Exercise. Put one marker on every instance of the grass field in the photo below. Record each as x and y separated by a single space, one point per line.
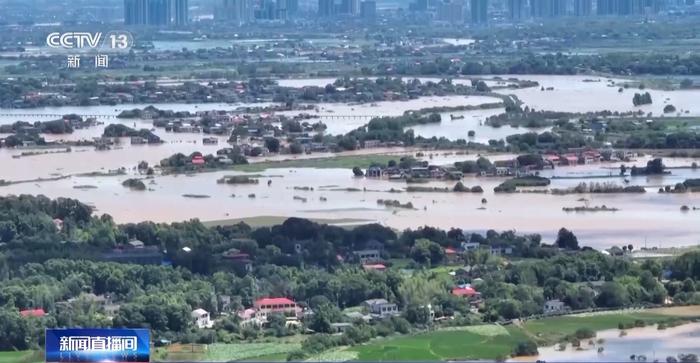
444 345
552 330
276 351
494 341
227 352
28 356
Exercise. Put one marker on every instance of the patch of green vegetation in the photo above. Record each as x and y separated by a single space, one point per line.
280 357
552 330
26 356
444 345
510 185
334 355
228 352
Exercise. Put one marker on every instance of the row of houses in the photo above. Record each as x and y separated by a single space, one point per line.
575 157
422 171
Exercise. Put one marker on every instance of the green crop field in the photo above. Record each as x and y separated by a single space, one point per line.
27 356
445 345
228 352
494 341
552 330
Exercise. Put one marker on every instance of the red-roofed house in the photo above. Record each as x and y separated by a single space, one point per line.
465 291
451 254
569 159
37 313
276 305
553 158
198 160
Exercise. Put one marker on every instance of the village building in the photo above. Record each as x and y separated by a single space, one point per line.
32 313
381 308
368 256
470 246
201 319
500 250
264 307
555 307
465 291
451 255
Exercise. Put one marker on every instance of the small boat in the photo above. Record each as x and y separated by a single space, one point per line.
459 117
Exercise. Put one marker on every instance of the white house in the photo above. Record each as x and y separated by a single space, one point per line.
381 308
555 307
201 319
470 246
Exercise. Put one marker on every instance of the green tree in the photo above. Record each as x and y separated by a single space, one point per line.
567 240
612 294
425 251
525 348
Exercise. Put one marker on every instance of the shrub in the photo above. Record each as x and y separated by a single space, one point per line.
526 348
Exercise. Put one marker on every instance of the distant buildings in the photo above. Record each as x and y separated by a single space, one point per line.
547 8
583 7
156 12
516 10
450 12
349 7
479 11
625 7
326 8
181 12
418 5
368 10
363 9
237 11
135 12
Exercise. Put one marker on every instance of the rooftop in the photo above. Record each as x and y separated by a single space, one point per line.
274 301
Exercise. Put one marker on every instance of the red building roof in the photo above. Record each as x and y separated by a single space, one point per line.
274 301
450 251
464 291
198 160
37 313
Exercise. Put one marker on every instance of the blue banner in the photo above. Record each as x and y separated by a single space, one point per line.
97 345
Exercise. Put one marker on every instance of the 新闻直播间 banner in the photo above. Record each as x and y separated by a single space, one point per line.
97 345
